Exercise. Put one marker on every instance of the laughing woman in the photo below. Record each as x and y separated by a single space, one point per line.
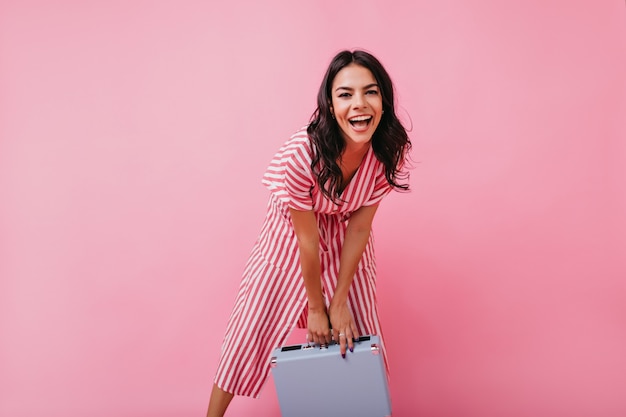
313 264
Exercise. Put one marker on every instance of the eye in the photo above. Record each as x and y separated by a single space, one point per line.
344 95
374 92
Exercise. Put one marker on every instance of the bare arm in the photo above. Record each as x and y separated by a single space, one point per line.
357 236
305 227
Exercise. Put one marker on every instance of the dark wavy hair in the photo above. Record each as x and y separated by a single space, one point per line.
390 141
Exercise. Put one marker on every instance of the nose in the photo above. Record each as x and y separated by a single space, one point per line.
359 100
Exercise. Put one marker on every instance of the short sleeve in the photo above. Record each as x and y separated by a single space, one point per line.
289 176
381 187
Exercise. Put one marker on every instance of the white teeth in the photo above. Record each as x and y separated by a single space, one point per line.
360 118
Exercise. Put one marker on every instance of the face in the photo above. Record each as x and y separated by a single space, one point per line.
356 103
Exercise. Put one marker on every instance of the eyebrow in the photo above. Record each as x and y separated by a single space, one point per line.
352 89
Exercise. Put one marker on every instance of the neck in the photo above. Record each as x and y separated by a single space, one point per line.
355 150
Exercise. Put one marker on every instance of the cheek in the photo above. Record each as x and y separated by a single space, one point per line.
338 106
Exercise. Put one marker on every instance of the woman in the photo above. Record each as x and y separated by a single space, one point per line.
313 263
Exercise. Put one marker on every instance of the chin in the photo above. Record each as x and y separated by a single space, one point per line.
357 137
361 139
364 137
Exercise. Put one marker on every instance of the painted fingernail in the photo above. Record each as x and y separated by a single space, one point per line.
343 355
352 349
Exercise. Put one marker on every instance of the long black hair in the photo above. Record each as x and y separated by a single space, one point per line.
390 141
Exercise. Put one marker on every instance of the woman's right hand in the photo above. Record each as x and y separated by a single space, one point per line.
318 329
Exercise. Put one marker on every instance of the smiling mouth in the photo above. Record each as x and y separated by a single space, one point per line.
361 122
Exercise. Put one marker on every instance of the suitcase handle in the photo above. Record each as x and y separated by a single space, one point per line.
300 347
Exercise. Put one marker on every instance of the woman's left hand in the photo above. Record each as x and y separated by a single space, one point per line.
344 329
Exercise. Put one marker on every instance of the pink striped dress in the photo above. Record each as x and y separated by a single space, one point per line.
272 300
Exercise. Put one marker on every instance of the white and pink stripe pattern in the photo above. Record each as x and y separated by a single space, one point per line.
272 299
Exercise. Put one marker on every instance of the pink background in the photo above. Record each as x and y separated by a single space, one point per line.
133 136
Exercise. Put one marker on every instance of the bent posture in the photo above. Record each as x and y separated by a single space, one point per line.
313 265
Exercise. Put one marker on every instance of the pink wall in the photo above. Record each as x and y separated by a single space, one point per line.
132 140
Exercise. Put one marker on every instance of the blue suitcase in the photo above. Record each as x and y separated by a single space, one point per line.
314 380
